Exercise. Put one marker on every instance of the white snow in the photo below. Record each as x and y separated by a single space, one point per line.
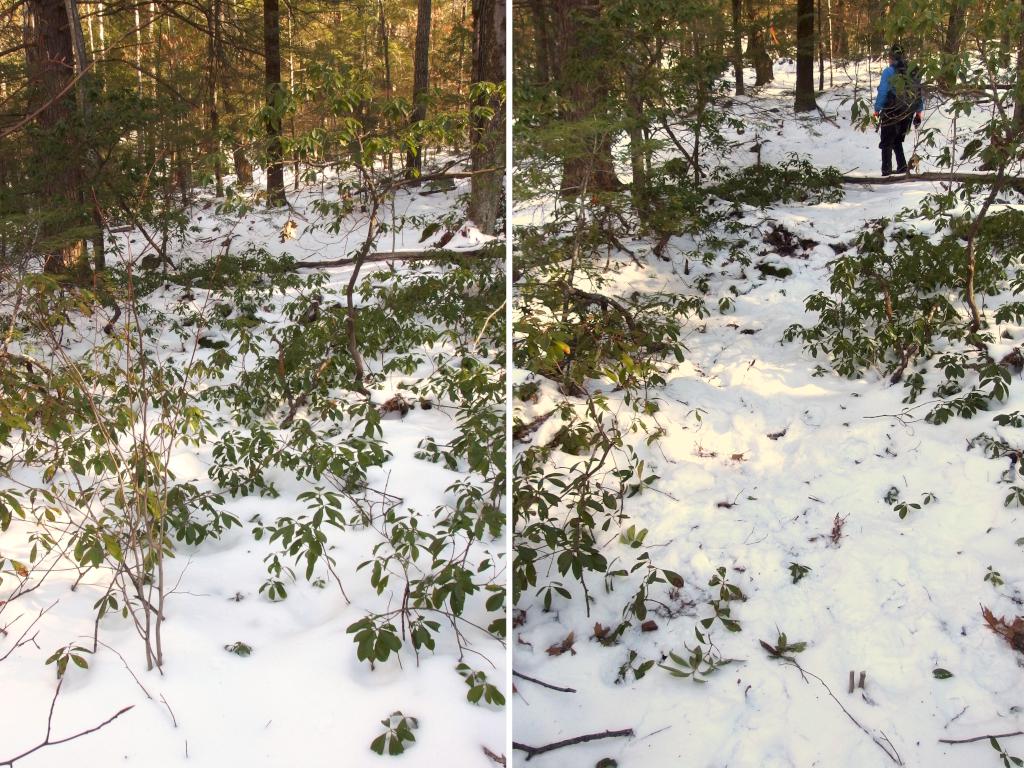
302 697
894 598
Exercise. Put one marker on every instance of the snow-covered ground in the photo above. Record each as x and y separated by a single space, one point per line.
757 485
301 697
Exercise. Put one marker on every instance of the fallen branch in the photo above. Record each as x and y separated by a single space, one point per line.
47 742
959 178
886 746
981 738
532 752
604 302
395 256
541 682
826 117
520 432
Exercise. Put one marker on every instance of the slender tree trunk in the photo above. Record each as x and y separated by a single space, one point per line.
1018 101
385 48
955 28
805 101
756 50
737 45
952 42
215 58
841 35
275 103
488 135
831 45
542 39
876 24
103 27
421 81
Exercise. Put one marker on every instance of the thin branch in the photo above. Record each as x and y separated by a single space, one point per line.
532 752
541 682
981 738
391 256
47 742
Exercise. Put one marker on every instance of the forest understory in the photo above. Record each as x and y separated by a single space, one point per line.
329 551
836 560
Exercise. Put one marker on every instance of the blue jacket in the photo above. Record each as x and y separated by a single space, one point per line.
884 89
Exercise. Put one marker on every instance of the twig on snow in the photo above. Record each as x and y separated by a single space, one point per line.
49 742
541 682
981 738
883 741
532 752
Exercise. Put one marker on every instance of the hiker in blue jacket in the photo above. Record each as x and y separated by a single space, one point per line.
900 101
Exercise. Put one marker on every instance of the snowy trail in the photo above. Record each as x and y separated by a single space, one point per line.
894 598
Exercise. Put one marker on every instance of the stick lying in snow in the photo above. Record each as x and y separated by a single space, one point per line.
886 745
541 682
534 751
46 742
981 738
396 256
961 178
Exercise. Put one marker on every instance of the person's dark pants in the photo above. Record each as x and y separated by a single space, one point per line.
894 130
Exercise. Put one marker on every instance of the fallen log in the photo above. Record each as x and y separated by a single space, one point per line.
429 255
937 176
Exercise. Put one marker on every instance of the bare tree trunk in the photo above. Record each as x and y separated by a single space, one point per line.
842 37
737 45
805 101
421 81
385 47
487 135
542 40
952 42
1018 100
275 101
955 28
590 166
215 56
763 71
50 62
821 52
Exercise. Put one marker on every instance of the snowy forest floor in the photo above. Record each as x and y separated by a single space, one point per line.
301 697
779 459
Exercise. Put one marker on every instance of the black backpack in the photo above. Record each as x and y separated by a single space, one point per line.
905 89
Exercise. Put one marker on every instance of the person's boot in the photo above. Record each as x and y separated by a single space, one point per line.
887 162
901 160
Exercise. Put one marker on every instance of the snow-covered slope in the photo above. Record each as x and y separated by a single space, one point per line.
758 484
301 697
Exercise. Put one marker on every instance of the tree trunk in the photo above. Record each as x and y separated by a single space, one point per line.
275 103
737 45
876 21
841 35
421 82
1018 101
582 83
764 72
805 101
542 40
215 56
821 52
955 28
50 64
951 44
385 47
488 135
